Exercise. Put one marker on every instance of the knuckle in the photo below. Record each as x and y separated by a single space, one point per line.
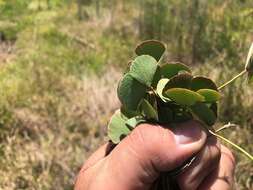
213 151
151 139
136 134
216 154
229 156
184 183
228 153
146 135
138 139
139 134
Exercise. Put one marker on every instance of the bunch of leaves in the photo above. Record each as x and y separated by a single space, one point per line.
166 93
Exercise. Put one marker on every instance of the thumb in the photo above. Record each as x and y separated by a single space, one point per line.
137 161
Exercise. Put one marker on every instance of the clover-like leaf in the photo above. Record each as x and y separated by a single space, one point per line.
183 96
157 77
130 92
117 128
202 112
171 69
179 81
148 111
127 113
153 48
134 121
210 95
200 82
160 88
143 69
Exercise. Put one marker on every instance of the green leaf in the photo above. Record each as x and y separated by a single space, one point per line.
128 113
157 77
202 83
151 47
214 108
203 113
133 122
165 115
160 87
183 96
171 69
179 81
210 95
143 69
182 117
117 128
130 92
148 111
249 60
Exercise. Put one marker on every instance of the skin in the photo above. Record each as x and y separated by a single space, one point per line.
137 161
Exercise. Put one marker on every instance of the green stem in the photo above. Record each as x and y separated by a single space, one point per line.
233 79
233 144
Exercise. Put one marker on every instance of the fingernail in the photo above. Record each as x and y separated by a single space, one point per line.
187 133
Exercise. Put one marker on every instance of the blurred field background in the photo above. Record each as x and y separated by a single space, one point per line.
60 61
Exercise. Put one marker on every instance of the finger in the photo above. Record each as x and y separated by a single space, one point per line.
149 149
222 176
93 160
206 161
98 155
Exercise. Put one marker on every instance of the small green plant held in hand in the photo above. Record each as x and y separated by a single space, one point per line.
168 93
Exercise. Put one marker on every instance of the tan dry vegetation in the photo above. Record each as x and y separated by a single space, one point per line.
49 147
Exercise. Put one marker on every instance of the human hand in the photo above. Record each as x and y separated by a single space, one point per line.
138 160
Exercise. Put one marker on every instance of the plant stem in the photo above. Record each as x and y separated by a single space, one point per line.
225 127
153 90
233 144
233 79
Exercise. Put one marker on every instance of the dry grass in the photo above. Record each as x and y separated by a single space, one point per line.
6 52
54 136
